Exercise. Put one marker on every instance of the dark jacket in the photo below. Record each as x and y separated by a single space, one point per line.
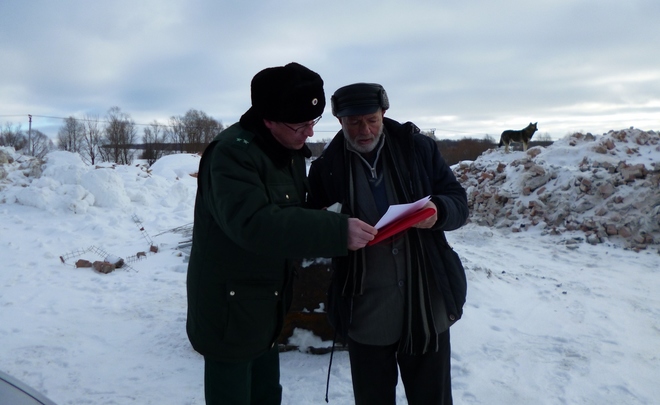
248 224
424 172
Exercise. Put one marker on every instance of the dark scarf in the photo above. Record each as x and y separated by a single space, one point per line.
419 334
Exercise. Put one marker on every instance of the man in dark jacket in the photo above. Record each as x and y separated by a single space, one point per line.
392 302
248 224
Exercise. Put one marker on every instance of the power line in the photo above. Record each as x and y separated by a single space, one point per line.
87 119
97 120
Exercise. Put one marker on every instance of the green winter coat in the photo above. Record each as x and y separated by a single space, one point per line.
248 224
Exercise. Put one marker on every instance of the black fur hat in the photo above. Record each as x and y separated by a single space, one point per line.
290 93
359 99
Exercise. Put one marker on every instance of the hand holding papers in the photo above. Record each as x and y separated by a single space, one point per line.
400 217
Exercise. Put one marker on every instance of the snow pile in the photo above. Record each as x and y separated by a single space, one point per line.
603 185
62 182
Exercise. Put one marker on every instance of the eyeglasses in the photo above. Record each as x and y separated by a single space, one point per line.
303 126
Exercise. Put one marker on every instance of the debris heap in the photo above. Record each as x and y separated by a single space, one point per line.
606 186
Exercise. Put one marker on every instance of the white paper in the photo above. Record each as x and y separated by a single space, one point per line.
336 207
398 211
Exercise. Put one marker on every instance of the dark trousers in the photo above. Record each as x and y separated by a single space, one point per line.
426 378
255 382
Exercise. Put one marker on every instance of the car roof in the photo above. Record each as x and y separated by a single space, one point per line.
15 392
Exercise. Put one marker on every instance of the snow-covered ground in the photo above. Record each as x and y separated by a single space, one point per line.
545 322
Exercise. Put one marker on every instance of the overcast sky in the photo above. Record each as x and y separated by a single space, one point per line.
463 68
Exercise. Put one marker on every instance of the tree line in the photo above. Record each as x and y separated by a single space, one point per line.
113 138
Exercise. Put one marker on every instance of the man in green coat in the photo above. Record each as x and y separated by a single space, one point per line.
249 223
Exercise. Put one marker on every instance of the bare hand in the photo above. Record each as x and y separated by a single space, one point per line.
359 233
430 221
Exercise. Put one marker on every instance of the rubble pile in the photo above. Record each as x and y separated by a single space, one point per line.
606 186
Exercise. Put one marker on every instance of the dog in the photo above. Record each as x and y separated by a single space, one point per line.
524 136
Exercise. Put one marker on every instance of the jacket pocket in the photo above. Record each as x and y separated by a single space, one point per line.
283 194
252 312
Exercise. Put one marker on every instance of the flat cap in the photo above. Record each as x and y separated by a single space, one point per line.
359 99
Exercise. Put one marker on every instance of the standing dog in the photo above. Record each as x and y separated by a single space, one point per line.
524 135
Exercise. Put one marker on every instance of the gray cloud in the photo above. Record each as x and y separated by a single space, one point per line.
463 68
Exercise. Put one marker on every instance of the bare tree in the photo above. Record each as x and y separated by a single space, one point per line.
176 133
13 136
153 139
40 145
70 135
120 135
193 131
91 150
200 129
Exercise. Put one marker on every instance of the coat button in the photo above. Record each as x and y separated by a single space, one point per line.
232 293
276 293
286 196
395 251
452 317
401 283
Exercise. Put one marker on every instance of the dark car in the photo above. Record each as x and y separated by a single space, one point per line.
14 392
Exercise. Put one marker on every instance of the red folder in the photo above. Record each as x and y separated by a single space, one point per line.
401 224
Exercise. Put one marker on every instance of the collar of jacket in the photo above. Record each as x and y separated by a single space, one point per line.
280 155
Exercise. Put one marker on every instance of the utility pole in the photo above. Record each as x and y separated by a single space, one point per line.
30 148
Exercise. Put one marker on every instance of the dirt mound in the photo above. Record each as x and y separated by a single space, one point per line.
606 186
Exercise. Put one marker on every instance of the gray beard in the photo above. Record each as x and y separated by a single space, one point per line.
364 149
